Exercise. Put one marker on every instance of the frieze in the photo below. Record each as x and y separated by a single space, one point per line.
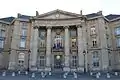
57 22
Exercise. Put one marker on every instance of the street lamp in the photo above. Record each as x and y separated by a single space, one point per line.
28 59
84 53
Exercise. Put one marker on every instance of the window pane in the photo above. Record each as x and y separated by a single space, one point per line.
118 42
24 32
1 43
22 42
117 31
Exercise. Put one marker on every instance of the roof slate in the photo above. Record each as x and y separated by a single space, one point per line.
112 16
24 16
92 15
8 19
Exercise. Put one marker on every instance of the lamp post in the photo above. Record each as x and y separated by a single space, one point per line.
28 59
84 53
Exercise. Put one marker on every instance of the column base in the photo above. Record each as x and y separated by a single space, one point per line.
48 69
80 69
66 69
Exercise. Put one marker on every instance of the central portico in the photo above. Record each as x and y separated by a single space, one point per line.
57 41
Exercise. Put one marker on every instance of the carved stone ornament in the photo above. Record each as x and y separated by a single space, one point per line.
58 31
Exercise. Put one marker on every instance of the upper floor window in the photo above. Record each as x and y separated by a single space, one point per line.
93 30
73 42
94 42
42 36
117 30
2 33
118 41
24 32
95 58
58 42
22 42
1 43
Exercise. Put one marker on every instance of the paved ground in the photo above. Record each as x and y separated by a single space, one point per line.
56 76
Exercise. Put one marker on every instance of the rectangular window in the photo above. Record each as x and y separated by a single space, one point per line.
1 43
118 41
74 61
2 33
93 30
22 42
117 31
95 58
24 32
41 61
94 42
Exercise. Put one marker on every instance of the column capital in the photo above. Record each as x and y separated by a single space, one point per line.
79 26
48 27
35 27
66 27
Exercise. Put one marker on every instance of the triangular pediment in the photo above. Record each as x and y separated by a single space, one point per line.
58 14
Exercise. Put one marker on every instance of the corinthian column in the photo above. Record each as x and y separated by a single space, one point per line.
80 48
48 49
67 51
34 48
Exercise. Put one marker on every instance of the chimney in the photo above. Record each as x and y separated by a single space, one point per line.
37 13
18 15
100 12
80 12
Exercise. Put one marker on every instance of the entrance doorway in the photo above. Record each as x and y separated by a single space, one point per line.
58 62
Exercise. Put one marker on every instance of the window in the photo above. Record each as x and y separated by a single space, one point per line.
74 61
95 58
21 58
94 42
2 33
22 42
42 35
1 43
118 41
24 32
41 61
93 30
73 42
58 42
117 31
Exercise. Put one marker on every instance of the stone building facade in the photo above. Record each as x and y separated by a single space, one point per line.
61 40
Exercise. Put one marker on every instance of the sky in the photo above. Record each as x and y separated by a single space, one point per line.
29 7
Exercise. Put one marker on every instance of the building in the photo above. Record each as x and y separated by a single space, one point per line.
61 40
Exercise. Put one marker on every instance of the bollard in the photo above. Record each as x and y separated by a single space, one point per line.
33 75
97 76
13 74
19 72
91 73
75 75
26 72
64 76
49 73
108 75
99 73
116 73
4 74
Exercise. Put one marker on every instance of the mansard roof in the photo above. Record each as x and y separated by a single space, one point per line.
8 19
112 16
23 16
92 15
